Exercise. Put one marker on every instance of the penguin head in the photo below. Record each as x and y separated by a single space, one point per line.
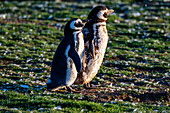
74 25
99 12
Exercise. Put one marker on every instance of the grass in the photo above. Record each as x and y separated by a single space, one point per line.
48 102
134 75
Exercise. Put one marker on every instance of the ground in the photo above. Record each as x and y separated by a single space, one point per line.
133 77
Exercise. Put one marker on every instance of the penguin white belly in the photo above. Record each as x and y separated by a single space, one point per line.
101 42
71 68
71 72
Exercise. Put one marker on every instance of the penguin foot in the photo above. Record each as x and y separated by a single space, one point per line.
66 88
88 86
71 90
58 88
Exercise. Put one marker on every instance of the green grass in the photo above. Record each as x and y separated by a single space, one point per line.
134 75
68 103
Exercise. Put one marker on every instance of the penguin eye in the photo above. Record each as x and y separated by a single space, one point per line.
105 15
79 22
76 22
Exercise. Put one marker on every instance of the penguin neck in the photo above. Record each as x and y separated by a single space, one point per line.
73 37
97 21
97 25
71 32
75 33
76 36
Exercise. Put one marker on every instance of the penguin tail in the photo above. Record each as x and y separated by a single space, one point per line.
49 84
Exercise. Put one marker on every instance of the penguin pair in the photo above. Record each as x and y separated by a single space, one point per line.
66 62
67 66
95 39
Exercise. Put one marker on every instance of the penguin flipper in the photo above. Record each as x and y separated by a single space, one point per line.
76 59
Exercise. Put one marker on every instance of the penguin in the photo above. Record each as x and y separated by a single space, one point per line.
67 59
95 39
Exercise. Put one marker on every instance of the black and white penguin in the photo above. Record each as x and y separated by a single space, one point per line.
96 38
67 59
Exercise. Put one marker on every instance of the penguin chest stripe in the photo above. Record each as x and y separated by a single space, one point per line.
79 42
97 33
76 40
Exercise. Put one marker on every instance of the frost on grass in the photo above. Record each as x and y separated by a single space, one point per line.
57 108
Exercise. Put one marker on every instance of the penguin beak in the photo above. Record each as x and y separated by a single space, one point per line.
85 21
110 11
